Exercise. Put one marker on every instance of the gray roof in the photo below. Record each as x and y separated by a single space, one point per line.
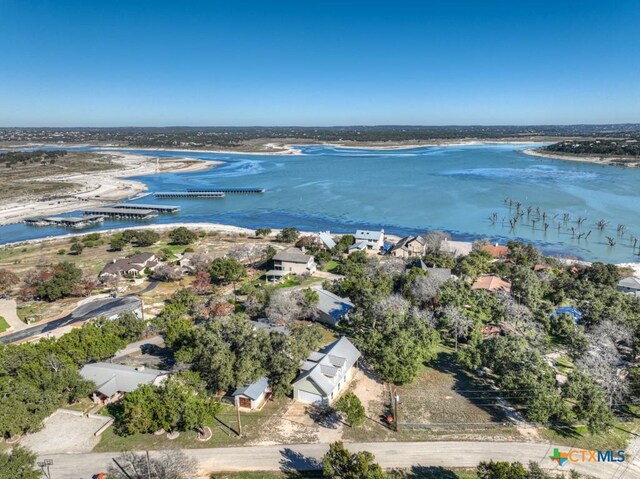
631 282
112 378
326 238
253 390
358 245
292 255
123 211
332 304
326 368
368 235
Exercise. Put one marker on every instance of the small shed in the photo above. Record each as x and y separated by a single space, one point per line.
254 395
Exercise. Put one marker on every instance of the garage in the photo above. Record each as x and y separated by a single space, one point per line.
308 397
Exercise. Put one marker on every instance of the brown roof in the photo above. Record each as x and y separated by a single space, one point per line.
497 252
137 261
491 283
293 255
541 267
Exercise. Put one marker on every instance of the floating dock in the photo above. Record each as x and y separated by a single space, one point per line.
140 206
189 194
123 212
76 222
230 191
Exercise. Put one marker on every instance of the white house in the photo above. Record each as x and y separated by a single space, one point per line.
326 373
252 396
630 285
373 239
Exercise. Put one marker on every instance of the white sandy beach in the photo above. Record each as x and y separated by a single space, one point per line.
98 188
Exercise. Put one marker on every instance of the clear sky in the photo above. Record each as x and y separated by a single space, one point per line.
314 62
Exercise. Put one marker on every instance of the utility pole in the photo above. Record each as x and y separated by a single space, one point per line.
148 466
239 423
396 400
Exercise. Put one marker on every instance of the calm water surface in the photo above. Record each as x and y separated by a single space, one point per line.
455 189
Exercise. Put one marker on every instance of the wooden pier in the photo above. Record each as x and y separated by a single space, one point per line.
189 194
229 191
140 206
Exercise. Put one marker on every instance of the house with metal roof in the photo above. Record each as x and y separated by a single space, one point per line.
630 285
113 380
358 246
254 395
326 373
324 237
331 308
294 261
373 239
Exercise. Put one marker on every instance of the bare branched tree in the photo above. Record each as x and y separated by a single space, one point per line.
165 465
458 323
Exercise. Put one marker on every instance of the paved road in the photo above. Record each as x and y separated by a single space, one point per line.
388 455
9 312
101 307
133 348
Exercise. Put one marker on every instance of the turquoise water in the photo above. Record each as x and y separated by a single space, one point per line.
454 189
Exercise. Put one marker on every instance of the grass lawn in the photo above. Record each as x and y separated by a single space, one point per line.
330 266
579 437
3 325
223 428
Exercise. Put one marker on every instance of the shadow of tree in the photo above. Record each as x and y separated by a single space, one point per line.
431 472
295 465
324 416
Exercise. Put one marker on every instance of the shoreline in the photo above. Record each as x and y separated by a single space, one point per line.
239 230
596 160
95 189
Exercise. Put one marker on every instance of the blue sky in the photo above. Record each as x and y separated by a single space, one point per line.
118 63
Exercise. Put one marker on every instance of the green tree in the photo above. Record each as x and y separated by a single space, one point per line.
501 470
288 235
117 243
226 270
20 463
589 400
263 232
76 248
340 463
182 236
349 405
147 238
58 281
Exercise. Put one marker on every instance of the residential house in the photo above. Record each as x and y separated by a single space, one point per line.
130 266
496 251
373 239
113 380
491 283
252 396
189 261
409 246
294 261
331 308
324 237
443 273
358 246
326 373
456 248
630 285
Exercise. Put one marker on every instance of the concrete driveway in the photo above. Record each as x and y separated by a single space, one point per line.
8 310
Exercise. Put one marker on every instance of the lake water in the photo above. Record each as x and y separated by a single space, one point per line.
454 189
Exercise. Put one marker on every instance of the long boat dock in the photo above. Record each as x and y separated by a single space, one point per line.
189 194
122 212
230 191
140 206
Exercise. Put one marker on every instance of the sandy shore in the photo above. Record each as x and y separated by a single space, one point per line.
374 146
98 188
600 160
